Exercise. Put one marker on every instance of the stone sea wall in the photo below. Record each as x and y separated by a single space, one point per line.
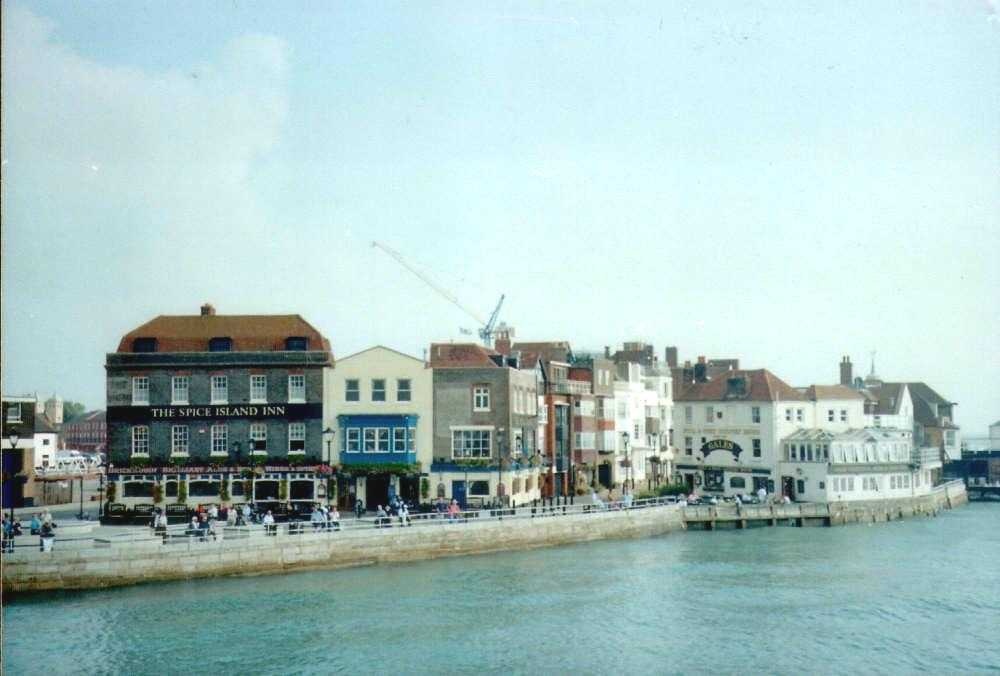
146 560
149 560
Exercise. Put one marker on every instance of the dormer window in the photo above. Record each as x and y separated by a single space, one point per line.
144 345
220 344
299 343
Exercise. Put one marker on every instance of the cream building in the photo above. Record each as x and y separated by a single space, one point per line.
380 403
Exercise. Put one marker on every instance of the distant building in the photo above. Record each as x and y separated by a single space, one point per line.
18 460
87 433
995 436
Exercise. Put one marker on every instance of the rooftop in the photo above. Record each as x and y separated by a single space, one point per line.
759 385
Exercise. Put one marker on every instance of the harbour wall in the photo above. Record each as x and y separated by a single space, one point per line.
126 563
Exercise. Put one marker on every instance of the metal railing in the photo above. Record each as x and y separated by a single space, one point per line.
183 535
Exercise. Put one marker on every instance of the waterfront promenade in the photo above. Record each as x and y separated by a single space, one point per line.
138 555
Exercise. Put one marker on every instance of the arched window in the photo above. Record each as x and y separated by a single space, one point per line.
440 490
737 482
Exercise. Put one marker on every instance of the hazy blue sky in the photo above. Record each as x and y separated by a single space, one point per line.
782 182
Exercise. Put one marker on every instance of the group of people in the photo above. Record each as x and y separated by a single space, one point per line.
41 525
325 518
452 509
397 508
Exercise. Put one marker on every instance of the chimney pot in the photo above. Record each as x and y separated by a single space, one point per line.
207 310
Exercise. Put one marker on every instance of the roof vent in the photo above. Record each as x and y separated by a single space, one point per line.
207 310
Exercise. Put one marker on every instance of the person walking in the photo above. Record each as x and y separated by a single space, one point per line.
359 508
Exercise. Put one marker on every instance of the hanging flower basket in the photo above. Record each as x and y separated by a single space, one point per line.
324 470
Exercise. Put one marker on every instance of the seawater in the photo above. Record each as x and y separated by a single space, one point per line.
921 595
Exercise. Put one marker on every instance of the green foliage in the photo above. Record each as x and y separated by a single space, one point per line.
297 460
473 462
157 493
331 488
72 410
112 491
178 462
248 489
224 491
138 462
425 488
182 492
672 489
362 469
283 490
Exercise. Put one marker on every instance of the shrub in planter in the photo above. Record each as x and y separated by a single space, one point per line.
331 489
112 491
283 490
157 493
248 489
138 462
224 491
182 492
425 488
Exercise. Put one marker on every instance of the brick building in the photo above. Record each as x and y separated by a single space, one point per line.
194 400
87 433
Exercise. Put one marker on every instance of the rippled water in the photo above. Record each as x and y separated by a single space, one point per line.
910 596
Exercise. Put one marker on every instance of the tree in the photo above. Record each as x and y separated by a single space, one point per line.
72 410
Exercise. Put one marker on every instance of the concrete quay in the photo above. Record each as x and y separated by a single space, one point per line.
110 562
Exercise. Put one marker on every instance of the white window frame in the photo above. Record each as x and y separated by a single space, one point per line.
140 441
384 440
399 440
755 414
830 415
843 415
220 433
689 415
219 393
411 439
369 439
479 441
709 414
348 391
756 451
258 432
481 398
140 384
180 385
788 415
180 440
385 394
400 390
296 432
353 440
258 388
799 415
296 392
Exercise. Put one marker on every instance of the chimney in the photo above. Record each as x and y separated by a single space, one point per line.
502 342
607 352
701 371
846 376
207 310
671 356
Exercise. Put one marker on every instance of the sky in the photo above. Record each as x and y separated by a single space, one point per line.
785 183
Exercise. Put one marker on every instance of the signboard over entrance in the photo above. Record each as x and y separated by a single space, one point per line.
721 445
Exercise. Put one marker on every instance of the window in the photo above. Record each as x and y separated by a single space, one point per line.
399 440
829 415
378 389
220 439
622 410
140 440
470 443
297 437
543 413
788 415
297 388
479 488
258 389
481 398
297 343
353 440
140 391
737 482
14 413
843 415
383 440
179 440
850 483
220 389
403 392
688 414
258 437
798 415
809 453
352 391
179 389
144 345
411 436
220 344
756 448
709 413
688 445
794 450
826 451
755 414
370 440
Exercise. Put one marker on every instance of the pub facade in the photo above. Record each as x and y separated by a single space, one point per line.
217 409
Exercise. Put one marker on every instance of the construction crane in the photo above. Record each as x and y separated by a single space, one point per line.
485 330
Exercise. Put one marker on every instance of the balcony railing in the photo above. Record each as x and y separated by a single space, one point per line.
926 456
569 387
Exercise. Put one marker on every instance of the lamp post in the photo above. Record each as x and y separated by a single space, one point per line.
13 438
237 455
628 460
500 433
328 434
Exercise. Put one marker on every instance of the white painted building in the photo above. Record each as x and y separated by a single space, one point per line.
380 403
859 464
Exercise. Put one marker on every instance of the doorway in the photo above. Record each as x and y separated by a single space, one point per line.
409 489
376 491
458 492
788 487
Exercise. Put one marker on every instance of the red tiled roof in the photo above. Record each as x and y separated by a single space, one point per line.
461 355
553 350
761 385
249 333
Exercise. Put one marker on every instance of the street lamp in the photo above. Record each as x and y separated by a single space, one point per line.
628 460
328 434
500 432
13 438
